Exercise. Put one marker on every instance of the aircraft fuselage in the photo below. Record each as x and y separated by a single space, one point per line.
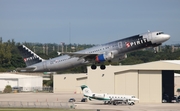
105 52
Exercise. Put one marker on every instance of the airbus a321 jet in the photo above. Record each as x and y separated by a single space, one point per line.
109 98
111 51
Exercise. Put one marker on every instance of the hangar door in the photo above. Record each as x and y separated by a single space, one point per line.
126 83
167 85
150 89
80 81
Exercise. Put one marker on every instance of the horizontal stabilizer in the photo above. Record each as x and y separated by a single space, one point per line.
28 69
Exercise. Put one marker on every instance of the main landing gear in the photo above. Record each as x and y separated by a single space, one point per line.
155 50
102 67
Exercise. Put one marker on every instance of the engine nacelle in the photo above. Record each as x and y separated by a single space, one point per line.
98 95
106 56
100 58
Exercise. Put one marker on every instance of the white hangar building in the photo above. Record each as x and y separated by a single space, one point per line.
147 81
176 84
27 83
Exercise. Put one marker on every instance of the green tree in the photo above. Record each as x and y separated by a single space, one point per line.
5 55
7 89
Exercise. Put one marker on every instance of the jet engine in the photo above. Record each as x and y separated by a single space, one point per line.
98 95
106 56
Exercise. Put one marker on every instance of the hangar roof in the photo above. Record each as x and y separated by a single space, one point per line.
159 65
156 65
173 61
78 75
176 75
14 76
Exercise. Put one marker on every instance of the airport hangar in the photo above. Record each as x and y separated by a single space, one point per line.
21 82
147 81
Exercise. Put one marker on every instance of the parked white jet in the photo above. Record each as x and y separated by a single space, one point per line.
109 98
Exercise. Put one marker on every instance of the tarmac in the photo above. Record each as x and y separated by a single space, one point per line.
93 105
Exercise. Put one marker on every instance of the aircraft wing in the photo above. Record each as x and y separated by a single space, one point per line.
25 69
81 55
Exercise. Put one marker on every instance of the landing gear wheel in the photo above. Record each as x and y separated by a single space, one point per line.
103 67
109 102
105 102
155 51
93 66
131 103
114 103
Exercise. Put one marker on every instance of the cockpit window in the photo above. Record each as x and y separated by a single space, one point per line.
133 96
160 33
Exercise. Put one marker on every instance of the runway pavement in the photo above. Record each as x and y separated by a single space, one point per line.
137 107
94 105
41 97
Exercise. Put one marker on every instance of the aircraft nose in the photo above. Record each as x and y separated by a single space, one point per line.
137 99
166 36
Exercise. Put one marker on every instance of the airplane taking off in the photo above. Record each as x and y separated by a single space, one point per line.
108 98
112 51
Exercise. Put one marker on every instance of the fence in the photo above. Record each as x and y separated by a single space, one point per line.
32 89
24 104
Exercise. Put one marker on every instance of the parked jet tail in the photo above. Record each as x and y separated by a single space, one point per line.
86 91
29 56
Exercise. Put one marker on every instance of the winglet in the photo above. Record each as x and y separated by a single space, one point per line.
28 69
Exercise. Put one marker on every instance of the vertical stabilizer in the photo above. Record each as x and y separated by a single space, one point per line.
86 91
29 56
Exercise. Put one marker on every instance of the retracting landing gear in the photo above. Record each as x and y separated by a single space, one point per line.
102 67
155 50
93 66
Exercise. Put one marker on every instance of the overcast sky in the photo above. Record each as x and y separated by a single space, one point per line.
87 21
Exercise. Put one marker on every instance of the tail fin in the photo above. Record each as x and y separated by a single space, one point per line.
86 91
29 56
